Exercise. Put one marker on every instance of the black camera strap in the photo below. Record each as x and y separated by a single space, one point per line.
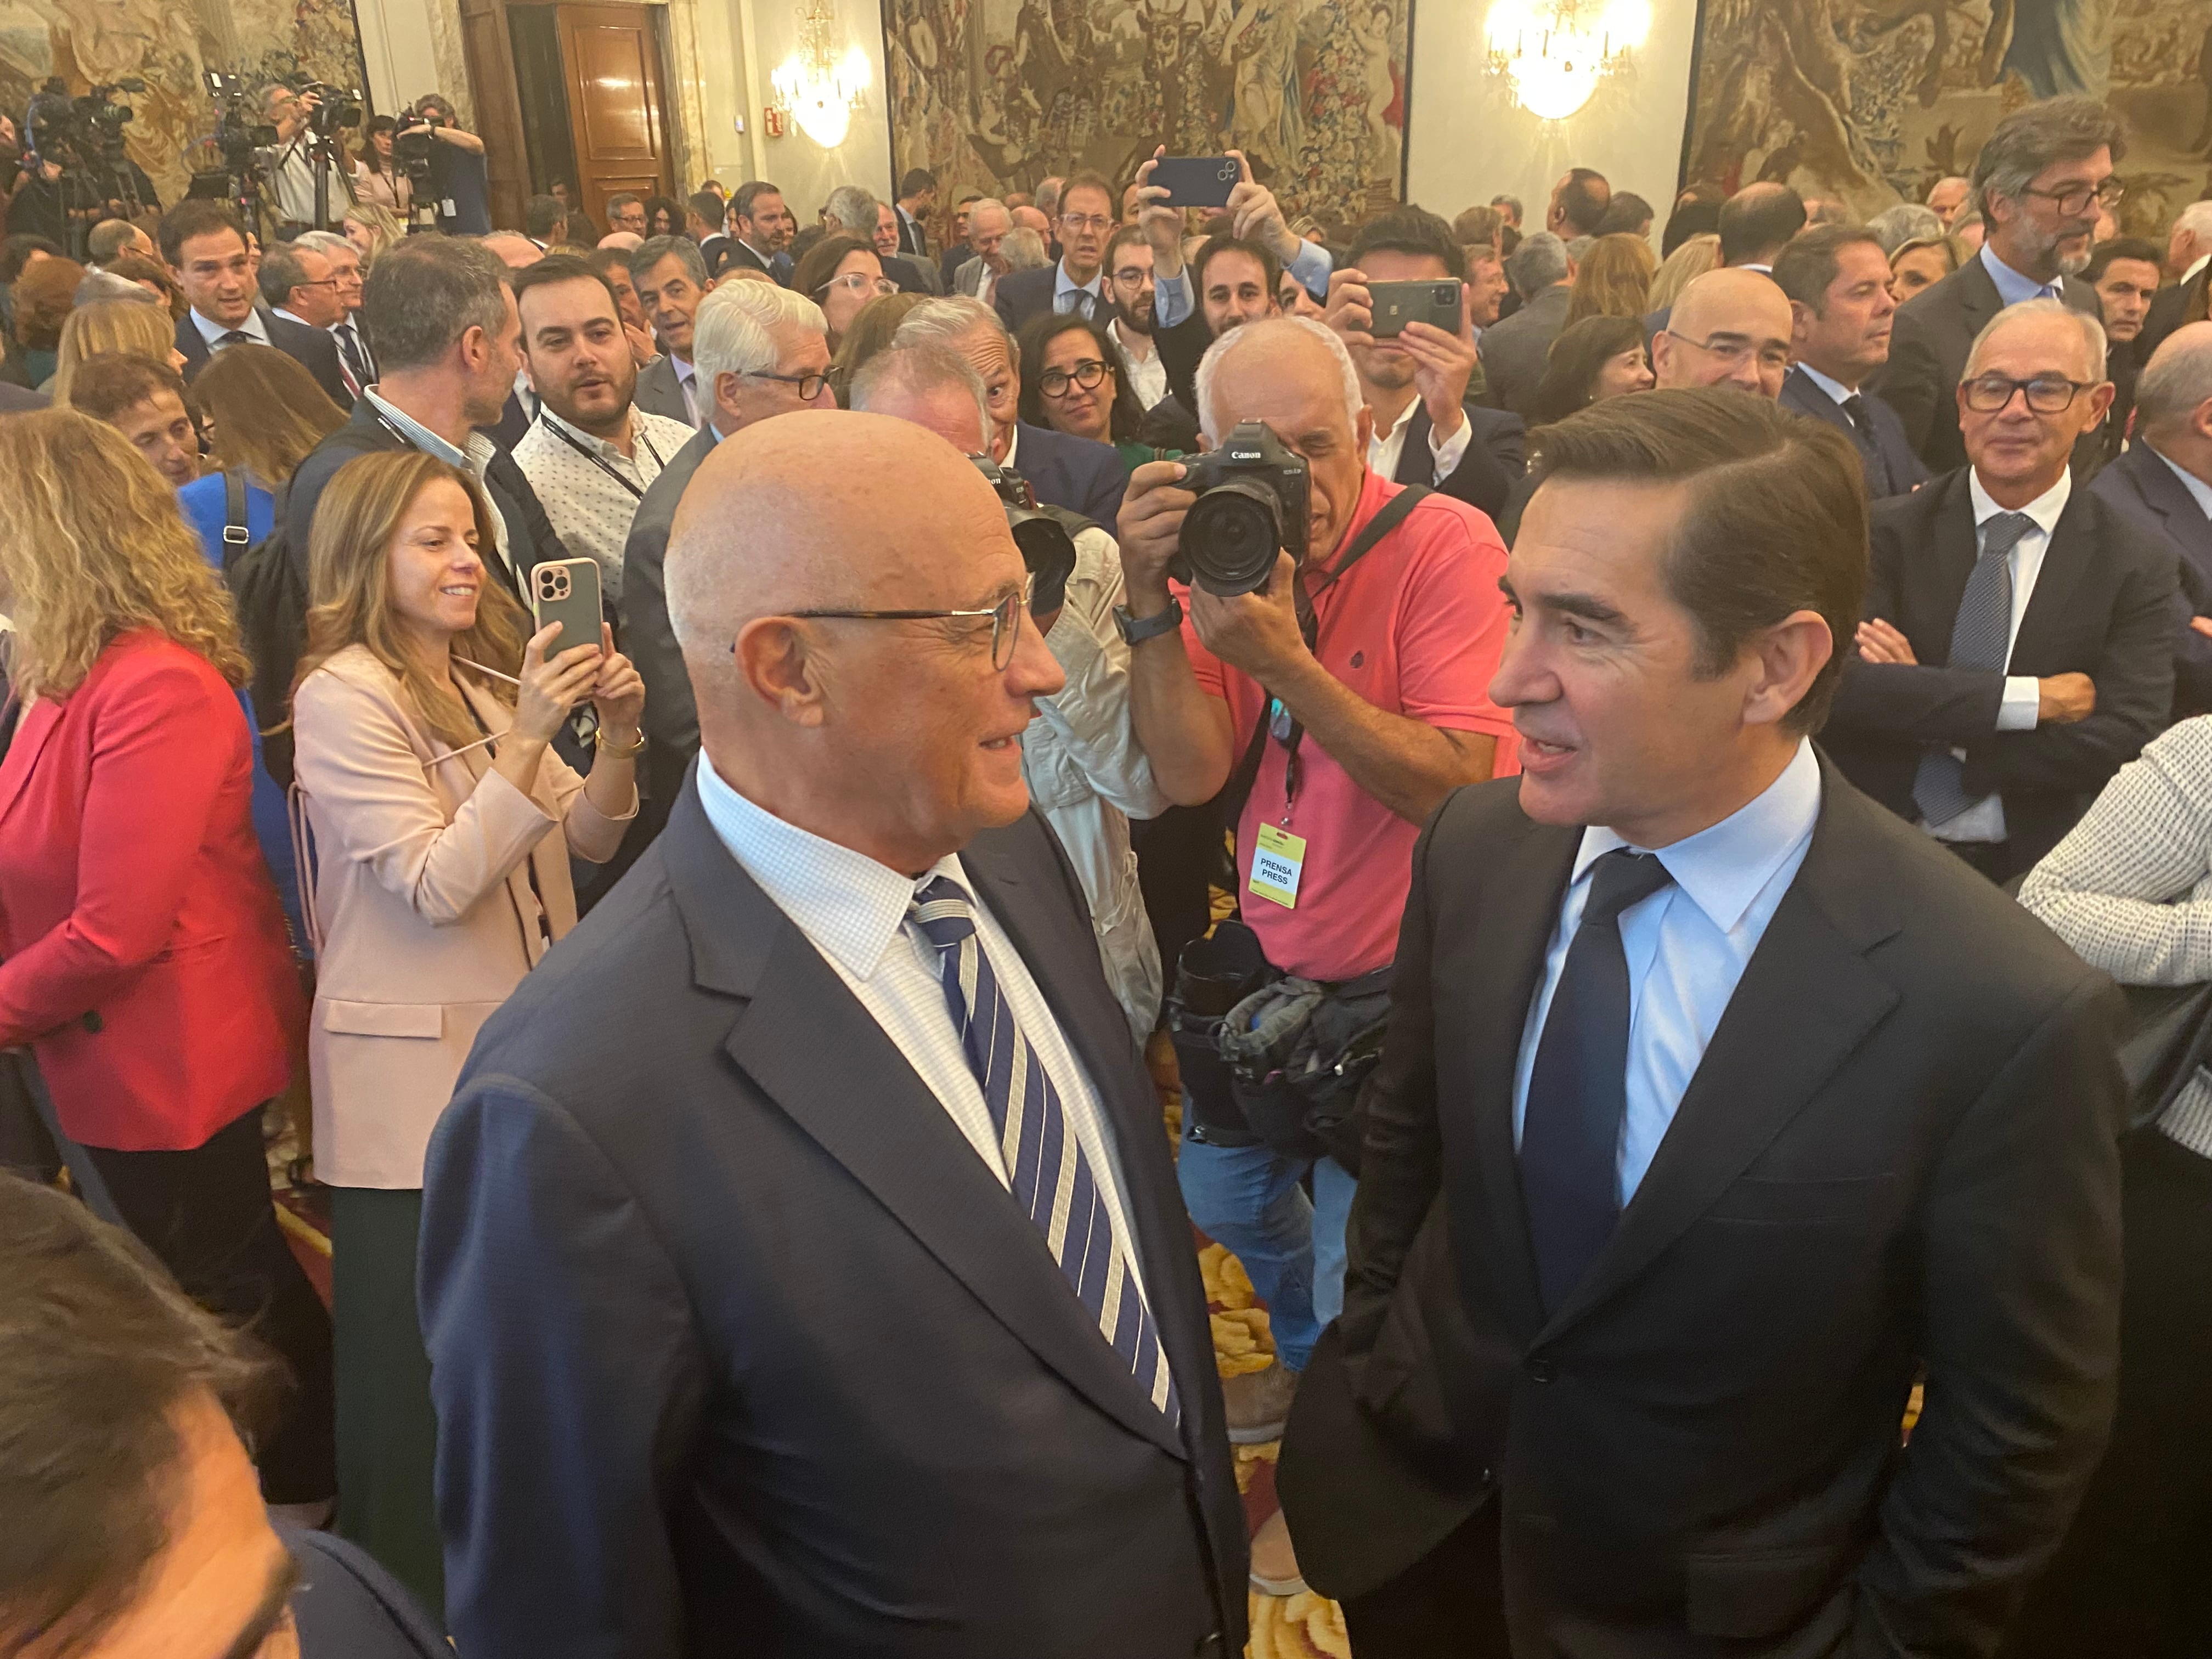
1273 716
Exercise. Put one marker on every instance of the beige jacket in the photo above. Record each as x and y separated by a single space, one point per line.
431 872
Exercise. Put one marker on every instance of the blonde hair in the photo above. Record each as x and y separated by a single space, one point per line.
349 585
125 328
383 226
1612 280
91 547
1682 267
267 411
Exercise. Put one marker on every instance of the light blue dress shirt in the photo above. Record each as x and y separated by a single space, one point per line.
1066 287
1687 945
2012 287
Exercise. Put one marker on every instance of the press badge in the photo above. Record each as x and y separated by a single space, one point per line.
1276 863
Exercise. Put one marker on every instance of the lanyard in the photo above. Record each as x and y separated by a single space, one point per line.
598 459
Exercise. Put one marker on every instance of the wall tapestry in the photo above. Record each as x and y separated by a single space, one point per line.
1872 101
994 95
97 42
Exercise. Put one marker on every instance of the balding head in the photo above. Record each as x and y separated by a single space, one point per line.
2174 398
629 241
897 738
932 385
1730 327
516 252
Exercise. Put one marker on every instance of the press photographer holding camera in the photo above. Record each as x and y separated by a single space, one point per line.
457 180
1335 658
309 183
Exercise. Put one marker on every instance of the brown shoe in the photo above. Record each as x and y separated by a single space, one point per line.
1258 1404
1274 1563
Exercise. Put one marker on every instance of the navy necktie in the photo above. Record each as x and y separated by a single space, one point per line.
1981 638
1577 1092
1049 1177
236 336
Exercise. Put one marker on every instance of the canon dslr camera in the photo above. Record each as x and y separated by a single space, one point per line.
1253 501
1047 549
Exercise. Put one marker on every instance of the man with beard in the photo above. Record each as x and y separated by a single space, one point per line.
1838 280
757 218
1129 287
590 454
2039 183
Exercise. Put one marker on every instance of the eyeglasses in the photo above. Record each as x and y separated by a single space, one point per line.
320 281
1735 351
2075 198
2047 394
1005 620
809 385
859 282
1092 221
1054 382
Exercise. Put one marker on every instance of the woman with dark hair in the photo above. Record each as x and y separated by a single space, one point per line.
664 217
374 177
1594 359
842 273
46 294
1074 381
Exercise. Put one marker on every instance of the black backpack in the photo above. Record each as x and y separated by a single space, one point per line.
272 619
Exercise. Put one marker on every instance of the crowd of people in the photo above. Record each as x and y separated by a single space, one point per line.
1688 732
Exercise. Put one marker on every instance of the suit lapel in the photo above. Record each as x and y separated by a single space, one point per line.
2168 497
1936 580
805 1041
1809 977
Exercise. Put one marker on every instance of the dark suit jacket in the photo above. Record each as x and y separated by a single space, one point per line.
2171 307
1022 294
348 1607
1929 342
914 238
1513 350
659 391
513 421
2144 487
1496 455
737 1345
949 264
1898 1154
1075 473
1892 468
739 253
312 347
671 718
2104 605
912 276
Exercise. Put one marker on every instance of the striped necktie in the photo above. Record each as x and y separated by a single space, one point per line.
1050 1177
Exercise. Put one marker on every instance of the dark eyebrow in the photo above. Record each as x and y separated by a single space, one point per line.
275 1596
1587 606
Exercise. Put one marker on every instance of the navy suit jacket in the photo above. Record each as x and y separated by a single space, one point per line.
1892 468
2144 487
1022 294
1075 473
1496 455
312 347
737 1346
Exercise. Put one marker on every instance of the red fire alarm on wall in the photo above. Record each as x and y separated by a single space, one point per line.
772 122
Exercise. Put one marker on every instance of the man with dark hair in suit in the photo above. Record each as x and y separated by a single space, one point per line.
2039 182
818 1352
2018 645
1087 217
1578 205
917 195
1514 349
1757 223
957 252
545 221
756 224
1415 383
671 277
1837 279
2125 271
1718 1108
204 247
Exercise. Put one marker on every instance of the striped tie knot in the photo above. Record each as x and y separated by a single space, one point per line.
944 912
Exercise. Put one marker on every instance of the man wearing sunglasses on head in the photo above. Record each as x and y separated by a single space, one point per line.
2018 645
2039 183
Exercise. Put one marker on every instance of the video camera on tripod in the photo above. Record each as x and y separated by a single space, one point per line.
411 154
81 138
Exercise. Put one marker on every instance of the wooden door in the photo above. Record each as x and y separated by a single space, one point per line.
490 60
614 107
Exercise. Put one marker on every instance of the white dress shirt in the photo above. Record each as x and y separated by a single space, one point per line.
213 331
291 181
590 509
1687 945
1984 821
1385 449
1148 375
853 911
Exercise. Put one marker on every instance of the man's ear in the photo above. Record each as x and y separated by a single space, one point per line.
778 662
1790 656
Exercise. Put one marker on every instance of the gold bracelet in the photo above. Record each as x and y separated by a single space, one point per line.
599 741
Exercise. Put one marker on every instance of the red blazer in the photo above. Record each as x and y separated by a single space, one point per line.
142 949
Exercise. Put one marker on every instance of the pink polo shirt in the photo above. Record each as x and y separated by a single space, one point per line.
1415 628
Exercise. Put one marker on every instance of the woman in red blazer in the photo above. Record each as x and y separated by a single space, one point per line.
142 954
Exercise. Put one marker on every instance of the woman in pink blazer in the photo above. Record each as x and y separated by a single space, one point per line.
443 823
142 954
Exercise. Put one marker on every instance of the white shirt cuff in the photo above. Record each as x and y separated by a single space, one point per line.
1452 450
2023 700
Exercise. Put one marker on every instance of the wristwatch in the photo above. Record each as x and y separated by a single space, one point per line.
1135 631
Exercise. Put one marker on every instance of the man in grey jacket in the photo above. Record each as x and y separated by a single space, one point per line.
1513 351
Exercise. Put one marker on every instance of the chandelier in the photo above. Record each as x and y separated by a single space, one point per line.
818 88
1554 54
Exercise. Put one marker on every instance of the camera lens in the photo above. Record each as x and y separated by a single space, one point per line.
1232 536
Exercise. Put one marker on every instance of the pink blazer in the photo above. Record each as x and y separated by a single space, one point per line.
431 873
144 952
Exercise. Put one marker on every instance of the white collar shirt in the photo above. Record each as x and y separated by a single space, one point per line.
589 489
853 910
1386 449
1148 375
254 328
1837 391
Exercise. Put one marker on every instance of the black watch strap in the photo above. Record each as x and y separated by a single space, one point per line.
1136 631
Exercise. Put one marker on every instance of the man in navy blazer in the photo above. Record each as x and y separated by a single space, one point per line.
1838 280
2164 483
204 245
754 1328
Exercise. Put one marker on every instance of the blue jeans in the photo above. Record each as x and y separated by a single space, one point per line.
1249 1198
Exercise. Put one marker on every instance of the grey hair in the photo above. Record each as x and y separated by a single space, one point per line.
941 322
1908 221
324 242
1209 366
98 285
2196 220
1541 262
424 293
651 252
734 332
2093 331
991 202
1578 248
854 207
2039 136
2177 382
1947 179
1023 250
924 366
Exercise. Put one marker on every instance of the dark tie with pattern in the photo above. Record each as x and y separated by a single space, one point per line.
235 337
1981 638
358 372
1878 476
1577 1092
1049 1177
